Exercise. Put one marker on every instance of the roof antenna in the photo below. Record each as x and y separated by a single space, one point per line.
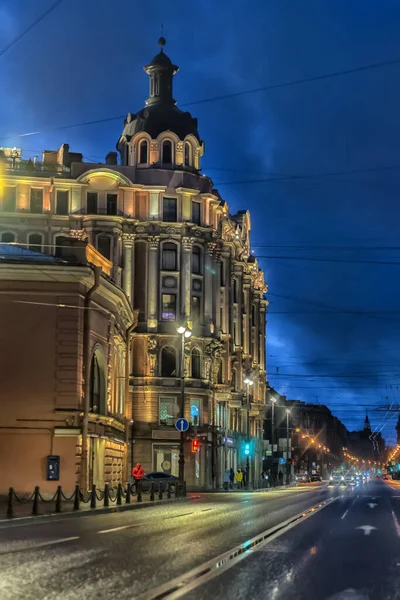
162 41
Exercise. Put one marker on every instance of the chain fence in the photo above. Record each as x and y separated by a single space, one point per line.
111 496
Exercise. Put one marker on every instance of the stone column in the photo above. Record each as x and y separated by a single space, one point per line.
185 295
152 282
127 242
246 318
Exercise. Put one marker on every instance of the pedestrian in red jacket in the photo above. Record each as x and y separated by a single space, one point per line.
137 472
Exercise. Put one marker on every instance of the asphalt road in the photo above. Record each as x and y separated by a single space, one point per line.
129 554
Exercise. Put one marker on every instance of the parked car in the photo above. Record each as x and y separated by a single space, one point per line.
159 480
303 478
316 477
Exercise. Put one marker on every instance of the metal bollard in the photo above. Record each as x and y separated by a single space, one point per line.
35 507
169 490
106 496
58 499
160 493
77 497
184 490
119 494
152 492
128 493
93 497
139 491
10 508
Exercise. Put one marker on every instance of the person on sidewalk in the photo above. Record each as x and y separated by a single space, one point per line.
226 479
239 478
137 474
231 477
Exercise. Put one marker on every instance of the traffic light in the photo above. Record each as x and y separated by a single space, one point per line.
247 449
195 445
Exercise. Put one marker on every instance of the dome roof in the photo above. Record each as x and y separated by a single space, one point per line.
158 118
161 60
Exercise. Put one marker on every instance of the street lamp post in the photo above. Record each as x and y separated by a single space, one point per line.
287 446
185 333
248 383
273 400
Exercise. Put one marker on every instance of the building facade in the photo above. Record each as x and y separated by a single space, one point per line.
64 329
182 259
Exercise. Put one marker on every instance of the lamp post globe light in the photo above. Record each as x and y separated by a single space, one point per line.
185 332
248 382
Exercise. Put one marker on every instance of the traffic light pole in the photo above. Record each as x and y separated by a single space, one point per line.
181 461
248 435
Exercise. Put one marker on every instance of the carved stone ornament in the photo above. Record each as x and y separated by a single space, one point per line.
170 230
154 242
152 354
140 229
128 238
187 243
78 234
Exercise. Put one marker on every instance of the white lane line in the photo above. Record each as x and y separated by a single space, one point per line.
41 545
180 586
122 527
344 514
396 524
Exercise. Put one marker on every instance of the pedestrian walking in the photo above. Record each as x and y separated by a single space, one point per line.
227 476
231 477
239 478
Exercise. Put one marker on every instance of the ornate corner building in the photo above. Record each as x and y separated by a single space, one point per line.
181 258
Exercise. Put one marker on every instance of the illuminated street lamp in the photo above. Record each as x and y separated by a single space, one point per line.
287 447
185 334
248 382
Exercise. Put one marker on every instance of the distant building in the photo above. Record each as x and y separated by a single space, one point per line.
366 444
63 329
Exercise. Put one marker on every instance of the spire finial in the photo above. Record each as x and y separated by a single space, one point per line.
162 41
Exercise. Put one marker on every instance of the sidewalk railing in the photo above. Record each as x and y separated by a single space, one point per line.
95 498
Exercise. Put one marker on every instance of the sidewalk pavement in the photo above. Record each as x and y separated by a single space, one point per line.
240 490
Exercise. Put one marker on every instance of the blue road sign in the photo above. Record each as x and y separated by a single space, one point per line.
182 425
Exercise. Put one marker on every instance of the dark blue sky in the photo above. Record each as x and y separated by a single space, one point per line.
84 62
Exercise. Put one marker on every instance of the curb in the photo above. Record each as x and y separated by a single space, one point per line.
32 520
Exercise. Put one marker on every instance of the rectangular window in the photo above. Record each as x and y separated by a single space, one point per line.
62 203
196 212
169 411
196 309
36 201
234 287
166 459
168 309
222 273
9 202
91 202
170 210
112 204
195 412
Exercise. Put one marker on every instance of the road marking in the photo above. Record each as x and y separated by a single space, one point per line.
372 504
366 529
122 527
344 514
396 523
177 516
180 586
206 509
41 545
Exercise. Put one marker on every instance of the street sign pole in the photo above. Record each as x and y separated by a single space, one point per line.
182 413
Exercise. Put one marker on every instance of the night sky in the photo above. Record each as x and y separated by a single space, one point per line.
334 325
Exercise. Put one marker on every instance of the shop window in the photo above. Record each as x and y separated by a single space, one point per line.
195 412
166 459
168 411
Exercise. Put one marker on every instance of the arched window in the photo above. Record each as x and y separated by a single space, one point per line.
7 237
167 152
104 245
196 364
168 362
169 257
35 242
59 242
143 152
97 384
196 260
187 154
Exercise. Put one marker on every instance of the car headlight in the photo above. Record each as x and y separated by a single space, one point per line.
342 478
331 478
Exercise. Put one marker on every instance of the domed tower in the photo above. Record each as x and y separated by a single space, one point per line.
367 424
161 135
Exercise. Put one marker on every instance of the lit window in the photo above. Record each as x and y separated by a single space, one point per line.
195 412
168 309
168 411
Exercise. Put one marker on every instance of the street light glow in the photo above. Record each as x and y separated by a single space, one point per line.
248 381
188 333
181 329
